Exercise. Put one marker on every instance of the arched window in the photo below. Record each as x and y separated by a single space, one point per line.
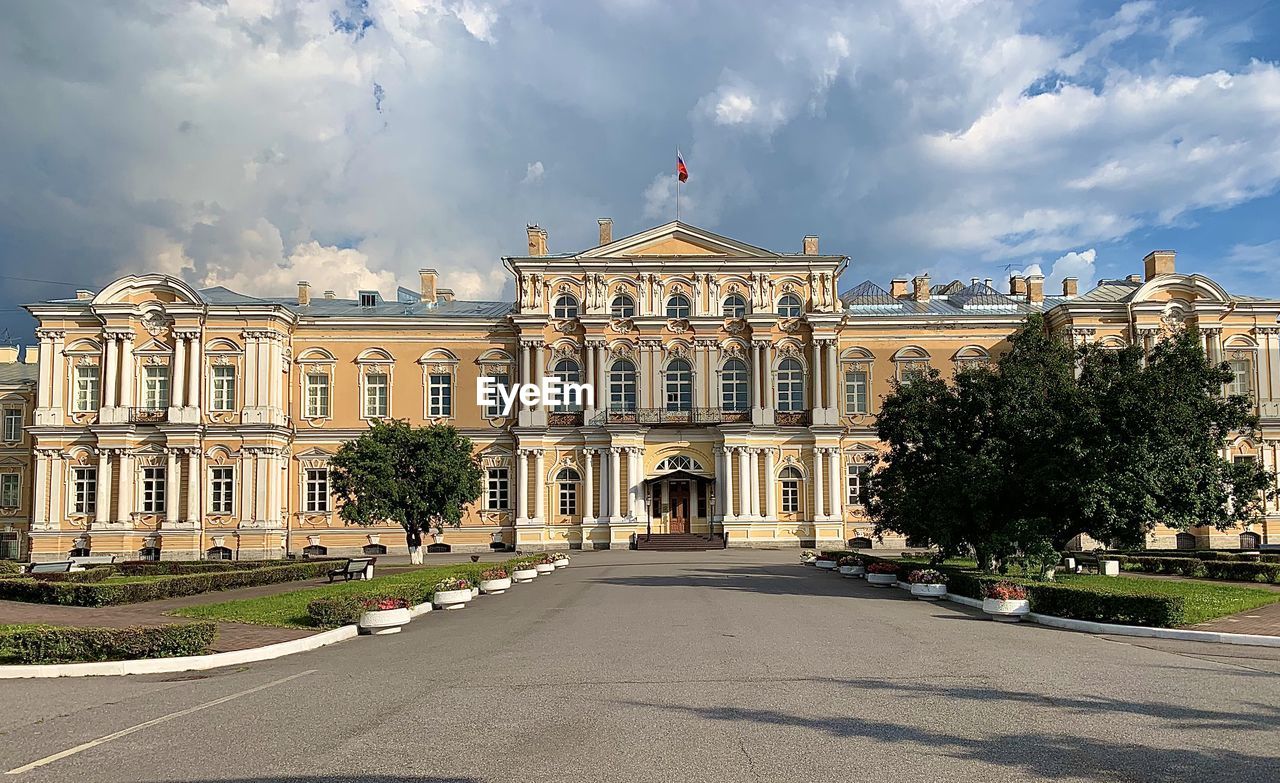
677 306
1185 541
679 385
734 306
734 395
567 371
678 462
790 489
789 306
566 306
790 386
1250 541
623 307
567 480
217 553
622 386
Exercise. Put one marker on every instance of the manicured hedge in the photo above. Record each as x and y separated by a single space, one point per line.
88 575
10 567
1241 571
1201 554
113 593
180 568
48 644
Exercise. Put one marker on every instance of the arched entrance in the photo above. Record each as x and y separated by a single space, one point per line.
679 497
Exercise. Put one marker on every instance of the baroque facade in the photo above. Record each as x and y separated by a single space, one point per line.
736 394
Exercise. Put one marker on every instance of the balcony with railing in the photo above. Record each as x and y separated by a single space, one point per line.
674 417
148 415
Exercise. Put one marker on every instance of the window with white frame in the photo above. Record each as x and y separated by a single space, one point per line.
315 490
790 386
790 490
440 394
153 490
855 474
224 388
317 393
84 490
155 387
85 398
678 306
567 371
501 380
790 306
498 489
222 488
855 391
566 306
623 306
734 390
567 480
377 389
1241 376
622 385
734 306
679 385
12 425
10 485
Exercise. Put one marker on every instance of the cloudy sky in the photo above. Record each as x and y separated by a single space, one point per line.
253 143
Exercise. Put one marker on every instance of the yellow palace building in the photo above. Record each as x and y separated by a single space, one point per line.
736 390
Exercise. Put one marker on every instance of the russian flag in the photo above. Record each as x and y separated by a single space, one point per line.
682 172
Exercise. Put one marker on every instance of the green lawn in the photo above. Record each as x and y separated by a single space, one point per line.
290 609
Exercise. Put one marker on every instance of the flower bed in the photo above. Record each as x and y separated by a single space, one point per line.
49 644
926 576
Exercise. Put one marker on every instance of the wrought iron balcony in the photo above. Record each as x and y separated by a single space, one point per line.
672 417
148 415
564 419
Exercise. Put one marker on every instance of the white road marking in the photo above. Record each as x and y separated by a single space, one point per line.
155 721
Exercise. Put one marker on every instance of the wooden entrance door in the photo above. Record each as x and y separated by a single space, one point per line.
678 494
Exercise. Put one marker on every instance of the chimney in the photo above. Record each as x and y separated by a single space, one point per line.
83 294
811 245
444 294
30 355
330 295
921 285
1158 262
1070 286
427 277
606 230
8 354
304 293
1134 278
1017 285
1035 289
537 240
987 282
898 288
973 281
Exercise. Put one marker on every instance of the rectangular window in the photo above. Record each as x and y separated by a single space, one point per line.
1241 370
155 387
317 395
86 391
568 498
9 484
12 425
224 388
84 490
153 499
501 381
316 491
855 392
791 496
440 388
854 473
498 497
222 486
376 389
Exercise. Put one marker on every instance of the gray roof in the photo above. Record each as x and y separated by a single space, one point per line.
18 372
338 308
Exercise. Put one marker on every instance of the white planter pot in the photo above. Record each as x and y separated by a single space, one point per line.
561 563
928 592
475 592
452 599
524 574
1109 567
852 572
495 586
826 565
544 568
1006 611
379 622
882 580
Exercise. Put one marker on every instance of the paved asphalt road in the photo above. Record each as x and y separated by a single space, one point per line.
722 666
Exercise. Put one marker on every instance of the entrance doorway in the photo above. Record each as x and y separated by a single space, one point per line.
678 496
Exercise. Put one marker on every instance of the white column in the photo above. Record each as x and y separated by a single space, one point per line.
589 485
770 486
178 383
274 384
274 483
754 464
111 377
816 382
633 482
262 370
127 371
193 371
615 481
819 495
766 377
522 485
250 369
124 498
590 377
102 499
40 492
58 371
44 389
539 364
757 377
744 483
644 390
526 373
171 484
833 383
835 508
57 478
728 483
194 480
539 485
260 486
246 477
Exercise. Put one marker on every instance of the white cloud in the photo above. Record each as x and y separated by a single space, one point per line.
478 19
734 108
1080 265
533 173
342 270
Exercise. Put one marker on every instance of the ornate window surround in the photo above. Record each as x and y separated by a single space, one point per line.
315 361
911 358
83 352
223 352
222 457
494 361
856 359
313 459
376 361
77 457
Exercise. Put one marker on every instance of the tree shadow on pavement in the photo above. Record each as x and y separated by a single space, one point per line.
1043 755
354 777
769 580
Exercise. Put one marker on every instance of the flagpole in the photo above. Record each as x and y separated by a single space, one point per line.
677 188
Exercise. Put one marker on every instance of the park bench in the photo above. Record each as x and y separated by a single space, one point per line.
80 563
355 568
59 567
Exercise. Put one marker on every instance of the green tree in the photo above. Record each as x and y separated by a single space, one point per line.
420 477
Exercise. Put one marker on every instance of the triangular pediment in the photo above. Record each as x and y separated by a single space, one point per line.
677 239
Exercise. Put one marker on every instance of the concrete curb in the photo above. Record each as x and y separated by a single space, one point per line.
1085 626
